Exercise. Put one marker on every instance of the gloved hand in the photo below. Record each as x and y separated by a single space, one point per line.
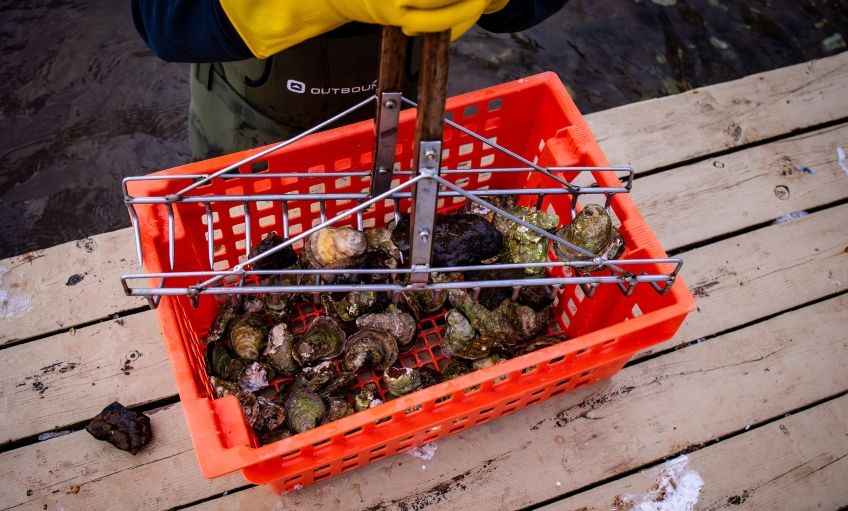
270 26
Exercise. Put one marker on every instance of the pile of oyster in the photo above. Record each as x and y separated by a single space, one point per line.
288 383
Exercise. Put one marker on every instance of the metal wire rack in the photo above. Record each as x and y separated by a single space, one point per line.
424 186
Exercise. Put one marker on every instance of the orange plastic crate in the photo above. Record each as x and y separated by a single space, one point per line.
534 117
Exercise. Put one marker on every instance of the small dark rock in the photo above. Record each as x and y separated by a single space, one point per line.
125 429
73 280
279 260
459 240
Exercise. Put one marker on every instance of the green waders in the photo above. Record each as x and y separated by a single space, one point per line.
251 103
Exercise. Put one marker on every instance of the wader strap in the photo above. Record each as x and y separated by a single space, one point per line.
217 84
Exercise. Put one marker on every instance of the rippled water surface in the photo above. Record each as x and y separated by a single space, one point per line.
84 103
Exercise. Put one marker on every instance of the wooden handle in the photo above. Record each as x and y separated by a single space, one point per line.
432 87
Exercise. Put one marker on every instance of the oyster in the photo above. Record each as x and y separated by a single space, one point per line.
234 369
337 386
218 356
255 376
347 309
330 244
367 397
590 230
271 416
454 370
249 405
530 323
279 350
370 348
522 245
482 319
279 260
337 408
218 329
275 436
252 304
535 297
323 340
401 381
380 240
311 378
304 411
458 240
401 325
489 361
539 343
248 335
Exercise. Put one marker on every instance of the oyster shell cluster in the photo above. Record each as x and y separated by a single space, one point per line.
289 382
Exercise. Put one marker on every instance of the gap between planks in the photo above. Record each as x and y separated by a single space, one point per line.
646 135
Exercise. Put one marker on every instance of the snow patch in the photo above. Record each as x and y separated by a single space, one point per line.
840 154
53 434
677 489
12 306
425 452
790 217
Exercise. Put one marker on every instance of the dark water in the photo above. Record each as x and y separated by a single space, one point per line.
84 103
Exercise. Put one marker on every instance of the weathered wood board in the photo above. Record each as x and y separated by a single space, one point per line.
79 373
796 463
61 287
646 135
714 275
664 132
643 414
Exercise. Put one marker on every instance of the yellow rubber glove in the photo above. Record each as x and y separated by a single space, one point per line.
270 26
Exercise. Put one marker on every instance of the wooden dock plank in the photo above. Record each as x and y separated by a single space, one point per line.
774 268
711 198
645 135
162 475
647 412
68 378
796 463
714 273
74 283
662 132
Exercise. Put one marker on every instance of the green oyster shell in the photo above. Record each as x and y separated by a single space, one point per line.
218 356
367 397
347 310
337 408
248 335
323 340
218 329
337 386
279 351
380 240
275 436
482 319
304 411
590 230
370 348
538 344
522 245
454 370
401 381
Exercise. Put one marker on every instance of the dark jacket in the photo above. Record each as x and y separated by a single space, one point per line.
199 30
